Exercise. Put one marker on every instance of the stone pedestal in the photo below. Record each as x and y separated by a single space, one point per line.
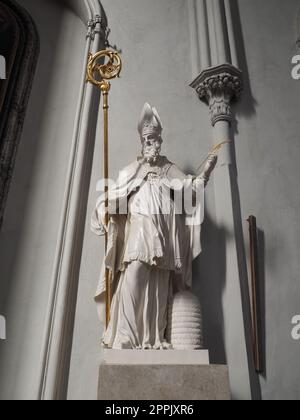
179 377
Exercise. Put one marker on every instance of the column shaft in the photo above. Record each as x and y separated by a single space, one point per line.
193 25
231 36
212 34
222 44
201 11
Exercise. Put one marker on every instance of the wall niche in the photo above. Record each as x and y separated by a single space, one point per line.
19 45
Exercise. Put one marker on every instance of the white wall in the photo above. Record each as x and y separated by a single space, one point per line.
268 156
29 234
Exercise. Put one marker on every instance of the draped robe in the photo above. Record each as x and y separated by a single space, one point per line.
152 241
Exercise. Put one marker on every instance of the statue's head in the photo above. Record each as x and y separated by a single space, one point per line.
150 129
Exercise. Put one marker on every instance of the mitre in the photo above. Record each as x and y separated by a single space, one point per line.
150 122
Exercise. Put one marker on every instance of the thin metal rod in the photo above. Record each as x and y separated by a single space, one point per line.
254 287
99 75
106 176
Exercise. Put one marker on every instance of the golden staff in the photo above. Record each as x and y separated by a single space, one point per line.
99 74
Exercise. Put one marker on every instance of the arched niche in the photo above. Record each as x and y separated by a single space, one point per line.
19 45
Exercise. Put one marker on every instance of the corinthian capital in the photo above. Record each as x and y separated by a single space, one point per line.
219 87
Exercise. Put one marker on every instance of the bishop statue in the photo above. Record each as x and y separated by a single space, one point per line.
155 216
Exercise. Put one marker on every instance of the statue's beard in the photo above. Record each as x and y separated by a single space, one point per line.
151 154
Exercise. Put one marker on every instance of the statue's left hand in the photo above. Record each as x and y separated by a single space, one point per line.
211 164
209 167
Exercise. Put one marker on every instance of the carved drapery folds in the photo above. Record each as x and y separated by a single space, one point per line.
218 87
20 47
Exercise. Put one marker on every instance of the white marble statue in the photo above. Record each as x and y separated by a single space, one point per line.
153 238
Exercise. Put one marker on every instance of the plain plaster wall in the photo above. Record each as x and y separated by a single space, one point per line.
154 38
268 156
29 234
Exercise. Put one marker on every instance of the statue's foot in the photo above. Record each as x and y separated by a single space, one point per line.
167 346
164 345
147 347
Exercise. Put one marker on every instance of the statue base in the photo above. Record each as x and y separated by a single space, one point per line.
161 375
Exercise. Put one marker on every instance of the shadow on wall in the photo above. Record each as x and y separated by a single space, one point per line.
209 272
209 281
244 283
247 109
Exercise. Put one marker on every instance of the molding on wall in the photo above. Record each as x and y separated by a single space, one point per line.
218 86
57 347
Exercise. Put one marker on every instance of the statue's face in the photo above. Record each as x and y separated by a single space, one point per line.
151 147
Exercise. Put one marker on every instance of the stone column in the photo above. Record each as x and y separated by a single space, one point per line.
218 87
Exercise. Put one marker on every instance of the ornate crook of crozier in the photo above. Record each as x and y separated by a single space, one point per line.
98 71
